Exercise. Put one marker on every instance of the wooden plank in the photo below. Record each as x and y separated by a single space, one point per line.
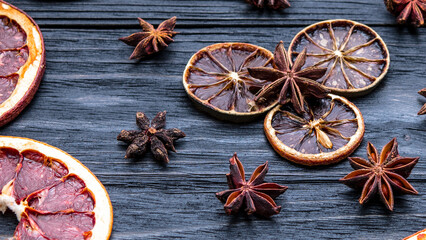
91 91
209 13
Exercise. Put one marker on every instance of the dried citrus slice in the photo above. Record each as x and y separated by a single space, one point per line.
53 195
330 130
420 235
22 61
356 56
217 80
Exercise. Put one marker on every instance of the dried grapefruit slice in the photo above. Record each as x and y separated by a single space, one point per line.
330 130
22 61
53 195
357 58
217 80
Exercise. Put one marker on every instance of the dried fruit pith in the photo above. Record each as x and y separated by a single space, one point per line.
22 58
329 131
53 195
217 80
356 56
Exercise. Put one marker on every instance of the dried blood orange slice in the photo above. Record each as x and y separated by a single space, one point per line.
22 61
356 56
330 130
217 80
53 195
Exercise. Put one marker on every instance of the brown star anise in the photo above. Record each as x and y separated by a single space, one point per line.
290 78
257 196
151 40
381 174
408 10
274 4
423 109
155 136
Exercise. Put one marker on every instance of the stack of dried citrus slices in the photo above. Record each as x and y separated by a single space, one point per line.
355 59
22 61
53 195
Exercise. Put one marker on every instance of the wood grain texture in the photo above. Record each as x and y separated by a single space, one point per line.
91 91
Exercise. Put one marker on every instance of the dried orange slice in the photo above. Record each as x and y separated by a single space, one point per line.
330 130
53 195
420 235
357 58
217 80
22 61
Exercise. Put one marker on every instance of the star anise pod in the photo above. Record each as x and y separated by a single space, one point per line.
423 109
257 196
291 78
152 136
151 40
411 11
274 4
382 174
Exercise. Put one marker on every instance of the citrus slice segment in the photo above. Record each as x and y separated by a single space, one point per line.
330 130
357 58
217 80
22 61
53 195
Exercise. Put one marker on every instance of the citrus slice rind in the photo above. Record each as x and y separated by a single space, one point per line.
217 81
102 209
357 58
301 138
27 60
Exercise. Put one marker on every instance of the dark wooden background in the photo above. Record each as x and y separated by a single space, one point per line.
91 91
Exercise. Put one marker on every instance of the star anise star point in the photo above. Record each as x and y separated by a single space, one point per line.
381 174
256 196
152 135
412 11
423 109
274 4
291 78
151 40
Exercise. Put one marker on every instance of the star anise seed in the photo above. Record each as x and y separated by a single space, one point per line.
291 78
274 4
256 196
151 40
382 174
152 136
423 109
411 11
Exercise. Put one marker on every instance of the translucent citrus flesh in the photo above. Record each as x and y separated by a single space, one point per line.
356 57
13 55
53 198
22 60
304 132
217 76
